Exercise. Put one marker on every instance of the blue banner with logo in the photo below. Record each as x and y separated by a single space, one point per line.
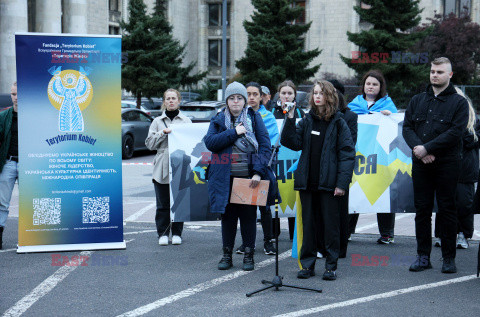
70 171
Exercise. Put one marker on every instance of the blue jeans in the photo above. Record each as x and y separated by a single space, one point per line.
8 176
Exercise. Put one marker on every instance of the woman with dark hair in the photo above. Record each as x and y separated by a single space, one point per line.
287 92
374 98
157 139
240 146
323 175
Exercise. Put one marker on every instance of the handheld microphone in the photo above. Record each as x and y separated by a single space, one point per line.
288 106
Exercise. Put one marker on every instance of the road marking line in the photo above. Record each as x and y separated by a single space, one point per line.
139 213
476 233
137 232
375 224
6 250
200 287
42 289
366 299
130 202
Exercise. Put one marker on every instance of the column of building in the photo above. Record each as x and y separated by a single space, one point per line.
48 16
14 19
75 16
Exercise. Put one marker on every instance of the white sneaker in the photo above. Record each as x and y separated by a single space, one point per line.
462 243
163 240
176 240
437 243
319 255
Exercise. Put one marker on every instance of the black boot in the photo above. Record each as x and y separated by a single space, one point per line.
248 263
226 261
1 239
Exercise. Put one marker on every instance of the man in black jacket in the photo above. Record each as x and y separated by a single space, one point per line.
434 124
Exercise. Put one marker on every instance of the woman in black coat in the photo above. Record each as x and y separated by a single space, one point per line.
323 175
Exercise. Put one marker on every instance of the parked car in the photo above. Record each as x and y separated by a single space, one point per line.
201 111
188 96
127 104
135 125
153 105
302 99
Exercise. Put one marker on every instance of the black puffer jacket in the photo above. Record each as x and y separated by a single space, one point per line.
351 118
338 153
437 123
469 170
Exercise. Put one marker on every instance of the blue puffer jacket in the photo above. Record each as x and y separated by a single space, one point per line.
219 140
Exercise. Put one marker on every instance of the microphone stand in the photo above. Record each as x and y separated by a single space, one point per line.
277 280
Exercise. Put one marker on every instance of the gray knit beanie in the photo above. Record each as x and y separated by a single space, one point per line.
236 88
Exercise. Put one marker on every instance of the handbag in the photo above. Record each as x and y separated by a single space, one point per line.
244 145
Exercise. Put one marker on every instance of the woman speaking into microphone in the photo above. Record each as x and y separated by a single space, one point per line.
323 175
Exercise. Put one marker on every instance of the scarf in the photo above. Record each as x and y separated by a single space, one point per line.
360 106
247 123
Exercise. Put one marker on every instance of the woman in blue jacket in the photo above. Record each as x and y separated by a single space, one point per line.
240 148
374 98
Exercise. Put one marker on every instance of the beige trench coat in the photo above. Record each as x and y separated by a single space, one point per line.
157 140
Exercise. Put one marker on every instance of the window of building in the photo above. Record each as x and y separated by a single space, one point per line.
114 5
302 18
215 52
113 30
456 6
215 14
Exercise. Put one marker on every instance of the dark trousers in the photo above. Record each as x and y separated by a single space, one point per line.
464 198
291 226
319 213
344 232
267 224
438 178
162 215
386 223
344 227
248 225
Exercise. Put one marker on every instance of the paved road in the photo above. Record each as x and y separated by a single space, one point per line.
146 279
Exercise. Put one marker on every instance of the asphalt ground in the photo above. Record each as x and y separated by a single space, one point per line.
152 280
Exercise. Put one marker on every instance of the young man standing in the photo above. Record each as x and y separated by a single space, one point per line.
433 128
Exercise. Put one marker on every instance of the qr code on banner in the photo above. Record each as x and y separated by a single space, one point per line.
46 211
96 209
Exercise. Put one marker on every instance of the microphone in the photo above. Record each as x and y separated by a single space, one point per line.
288 106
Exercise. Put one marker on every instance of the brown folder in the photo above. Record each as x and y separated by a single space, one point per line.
244 195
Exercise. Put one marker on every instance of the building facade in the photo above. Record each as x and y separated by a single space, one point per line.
198 24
